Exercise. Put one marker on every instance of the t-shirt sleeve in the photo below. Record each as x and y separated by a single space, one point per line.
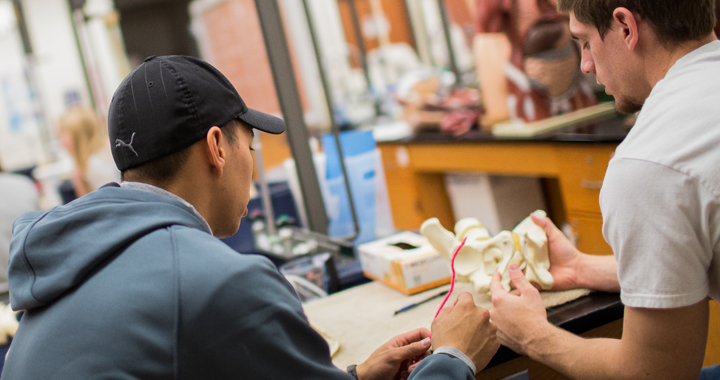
656 221
252 326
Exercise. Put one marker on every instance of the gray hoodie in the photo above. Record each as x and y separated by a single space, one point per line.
128 284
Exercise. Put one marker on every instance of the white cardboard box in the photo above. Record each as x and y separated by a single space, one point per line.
405 261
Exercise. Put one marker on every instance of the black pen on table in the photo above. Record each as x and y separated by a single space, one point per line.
408 307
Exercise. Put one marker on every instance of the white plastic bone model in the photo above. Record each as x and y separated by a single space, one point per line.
483 255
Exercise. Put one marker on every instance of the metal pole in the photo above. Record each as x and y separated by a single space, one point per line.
357 31
31 76
408 19
448 40
22 27
77 6
289 97
265 196
334 127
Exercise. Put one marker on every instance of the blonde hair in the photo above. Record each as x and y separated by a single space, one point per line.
82 125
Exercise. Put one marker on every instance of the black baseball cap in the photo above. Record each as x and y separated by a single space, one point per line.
168 103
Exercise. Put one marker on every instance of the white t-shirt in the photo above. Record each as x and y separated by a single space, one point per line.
661 196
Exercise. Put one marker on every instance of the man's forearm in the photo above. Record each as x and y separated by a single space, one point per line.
598 272
655 345
580 358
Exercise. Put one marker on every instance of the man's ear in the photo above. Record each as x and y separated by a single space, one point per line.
626 22
216 153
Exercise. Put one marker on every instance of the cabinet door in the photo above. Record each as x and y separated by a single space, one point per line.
582 170
712 350
588 231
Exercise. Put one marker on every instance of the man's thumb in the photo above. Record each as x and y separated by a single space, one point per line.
545 223
518 279
414 349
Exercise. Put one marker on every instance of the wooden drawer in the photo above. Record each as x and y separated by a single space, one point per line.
712 350
588 230
582 170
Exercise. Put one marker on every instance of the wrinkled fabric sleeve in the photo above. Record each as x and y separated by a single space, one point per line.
252 326
454 352
441 367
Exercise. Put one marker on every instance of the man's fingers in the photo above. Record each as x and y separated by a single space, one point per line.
519 281
496 287
412 367
456 301
465 297
418 360
412 350
412 336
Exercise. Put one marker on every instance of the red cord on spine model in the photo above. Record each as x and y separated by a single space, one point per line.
452 279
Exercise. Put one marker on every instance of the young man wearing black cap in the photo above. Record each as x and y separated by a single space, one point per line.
128 281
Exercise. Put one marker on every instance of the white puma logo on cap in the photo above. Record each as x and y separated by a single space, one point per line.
119 143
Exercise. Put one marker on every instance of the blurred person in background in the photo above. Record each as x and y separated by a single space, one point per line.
80 134
18 195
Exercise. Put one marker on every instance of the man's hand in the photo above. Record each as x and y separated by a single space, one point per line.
656 343
467 327
393 359
564 257
572 269
519 318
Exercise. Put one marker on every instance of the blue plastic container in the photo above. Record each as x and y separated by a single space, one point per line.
360 160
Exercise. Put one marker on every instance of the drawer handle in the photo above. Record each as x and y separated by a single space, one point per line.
593 185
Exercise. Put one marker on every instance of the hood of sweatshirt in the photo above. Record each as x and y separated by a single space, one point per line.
54 251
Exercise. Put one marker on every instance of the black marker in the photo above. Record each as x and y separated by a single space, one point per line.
408 307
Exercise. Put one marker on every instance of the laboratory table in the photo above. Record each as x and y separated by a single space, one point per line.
360 319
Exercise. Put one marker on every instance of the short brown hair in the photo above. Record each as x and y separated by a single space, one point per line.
165 168
674 21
